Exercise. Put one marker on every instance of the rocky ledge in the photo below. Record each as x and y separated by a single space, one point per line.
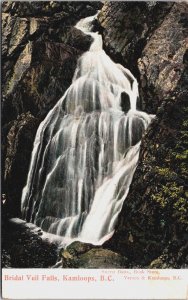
24 246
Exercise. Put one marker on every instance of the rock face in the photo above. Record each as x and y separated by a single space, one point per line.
149 39
39 57
40 48
19 147
42 73
162 63
128 26
154 216
153 222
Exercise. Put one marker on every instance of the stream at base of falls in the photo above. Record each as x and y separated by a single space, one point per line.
86 150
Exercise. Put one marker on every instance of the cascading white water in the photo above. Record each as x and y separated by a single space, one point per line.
86 150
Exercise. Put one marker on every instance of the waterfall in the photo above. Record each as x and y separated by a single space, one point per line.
86 150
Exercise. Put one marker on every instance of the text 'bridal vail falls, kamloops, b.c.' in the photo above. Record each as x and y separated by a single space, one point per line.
86 150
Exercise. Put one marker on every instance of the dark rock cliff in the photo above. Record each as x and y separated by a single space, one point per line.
153 222
40 48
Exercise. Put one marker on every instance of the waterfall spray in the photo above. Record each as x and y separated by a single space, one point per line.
86 150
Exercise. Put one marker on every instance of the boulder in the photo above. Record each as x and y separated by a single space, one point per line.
25 248
81 255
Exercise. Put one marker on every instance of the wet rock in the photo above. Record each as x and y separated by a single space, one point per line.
81 255
101 258
19 146
77 39
78 248
4 145
125 102
31 251
5 259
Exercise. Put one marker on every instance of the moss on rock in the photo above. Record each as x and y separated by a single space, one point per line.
81 255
